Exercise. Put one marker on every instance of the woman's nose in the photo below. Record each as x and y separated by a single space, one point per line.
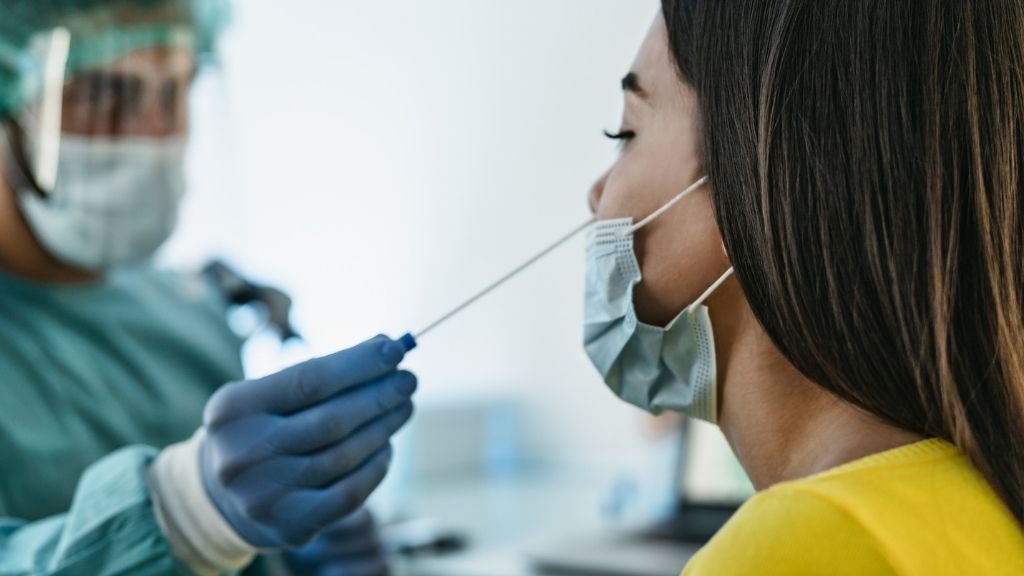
594 198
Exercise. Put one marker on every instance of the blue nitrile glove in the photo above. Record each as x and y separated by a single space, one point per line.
287 455
351 547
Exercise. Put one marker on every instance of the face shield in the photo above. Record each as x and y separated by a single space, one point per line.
99 140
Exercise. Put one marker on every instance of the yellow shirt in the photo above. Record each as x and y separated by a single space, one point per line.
918 510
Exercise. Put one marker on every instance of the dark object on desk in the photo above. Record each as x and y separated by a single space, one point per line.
443 545
419 538
694 525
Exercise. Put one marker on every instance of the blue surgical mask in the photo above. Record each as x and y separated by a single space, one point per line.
654 368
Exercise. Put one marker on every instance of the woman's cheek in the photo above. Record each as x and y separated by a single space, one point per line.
628 192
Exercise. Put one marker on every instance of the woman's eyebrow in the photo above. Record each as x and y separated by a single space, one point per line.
631 83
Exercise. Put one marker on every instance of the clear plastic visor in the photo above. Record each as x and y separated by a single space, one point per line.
120 90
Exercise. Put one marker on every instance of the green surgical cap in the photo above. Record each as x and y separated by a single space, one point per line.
101 31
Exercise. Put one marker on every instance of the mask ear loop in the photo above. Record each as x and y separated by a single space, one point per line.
707 293
632 229
18 157
693 187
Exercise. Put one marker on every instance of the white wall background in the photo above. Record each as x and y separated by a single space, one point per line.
384 159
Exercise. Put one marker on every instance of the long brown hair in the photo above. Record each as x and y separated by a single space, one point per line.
868 162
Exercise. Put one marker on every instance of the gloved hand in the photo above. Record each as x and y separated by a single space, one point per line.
349 548
287 455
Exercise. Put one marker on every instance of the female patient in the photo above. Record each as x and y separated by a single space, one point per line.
841 284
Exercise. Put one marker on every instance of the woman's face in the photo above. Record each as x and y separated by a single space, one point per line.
680 253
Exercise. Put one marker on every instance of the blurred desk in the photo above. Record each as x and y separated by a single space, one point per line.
505 518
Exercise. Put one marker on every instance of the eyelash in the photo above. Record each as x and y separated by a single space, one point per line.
623 137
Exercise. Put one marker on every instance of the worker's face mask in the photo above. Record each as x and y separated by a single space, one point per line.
115 200
670 368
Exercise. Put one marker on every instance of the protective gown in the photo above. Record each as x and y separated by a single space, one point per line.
94 380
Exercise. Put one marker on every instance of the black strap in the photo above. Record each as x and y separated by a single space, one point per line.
241 292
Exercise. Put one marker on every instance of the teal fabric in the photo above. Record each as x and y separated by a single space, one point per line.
86 370
111 528
95 379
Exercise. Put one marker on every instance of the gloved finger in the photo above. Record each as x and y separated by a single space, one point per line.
372 566
326 467
354 527
350 493
354 545
347 543
355 522
330 422
316 380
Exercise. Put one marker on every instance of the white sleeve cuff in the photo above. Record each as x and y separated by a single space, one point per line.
198 533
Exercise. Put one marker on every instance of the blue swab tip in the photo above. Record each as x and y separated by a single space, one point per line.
409 341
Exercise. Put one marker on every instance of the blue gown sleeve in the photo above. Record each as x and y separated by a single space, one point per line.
111 527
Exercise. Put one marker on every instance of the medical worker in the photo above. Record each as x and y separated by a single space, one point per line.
814 237
129 441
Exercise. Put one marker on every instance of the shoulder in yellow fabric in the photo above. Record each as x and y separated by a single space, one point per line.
919 510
